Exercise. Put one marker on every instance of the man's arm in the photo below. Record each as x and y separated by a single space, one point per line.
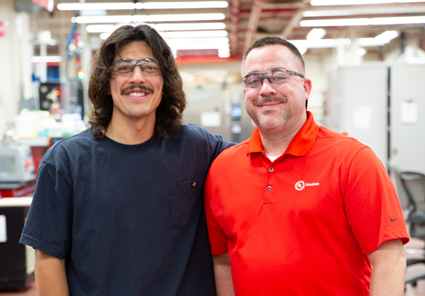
389 268
50 276
223 276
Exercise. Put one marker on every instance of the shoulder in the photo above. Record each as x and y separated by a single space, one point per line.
338 141
192 133
233 152
345 150
69 147
192 130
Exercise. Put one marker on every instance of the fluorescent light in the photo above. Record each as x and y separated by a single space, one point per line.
144 5
148 18
316 34
100 28
379 40
361 52
364 9
189 27
364 21
95 6
104 36
185 5
46 59
386 37
358 2
220 43
323 13
199 43
194 34
322 43
161 27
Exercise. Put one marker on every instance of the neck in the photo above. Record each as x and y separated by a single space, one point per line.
276 141
130 132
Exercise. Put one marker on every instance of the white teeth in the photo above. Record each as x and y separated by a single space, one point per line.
137 94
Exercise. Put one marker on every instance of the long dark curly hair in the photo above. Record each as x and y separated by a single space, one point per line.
169 114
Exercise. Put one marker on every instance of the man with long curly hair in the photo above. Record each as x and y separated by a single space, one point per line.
118 208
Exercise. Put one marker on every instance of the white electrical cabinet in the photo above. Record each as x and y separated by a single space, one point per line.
357 103
382 106
407 137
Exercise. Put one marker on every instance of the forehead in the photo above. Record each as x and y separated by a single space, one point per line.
269 57
135 50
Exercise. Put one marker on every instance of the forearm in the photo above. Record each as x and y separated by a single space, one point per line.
50 275
389 269
223 275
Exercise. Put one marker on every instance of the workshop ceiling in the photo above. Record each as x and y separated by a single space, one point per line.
247 20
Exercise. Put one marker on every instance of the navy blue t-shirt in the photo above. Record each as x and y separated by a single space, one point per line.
128 219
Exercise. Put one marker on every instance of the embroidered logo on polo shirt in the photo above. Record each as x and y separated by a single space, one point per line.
300 185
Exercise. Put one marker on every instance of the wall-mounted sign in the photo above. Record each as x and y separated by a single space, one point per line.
47 4
3 28
210 119
409 111
362 117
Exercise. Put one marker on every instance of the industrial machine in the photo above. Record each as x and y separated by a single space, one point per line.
17 172
16 260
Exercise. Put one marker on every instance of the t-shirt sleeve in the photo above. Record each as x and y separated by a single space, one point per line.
371 204
218 238
216 144
48 225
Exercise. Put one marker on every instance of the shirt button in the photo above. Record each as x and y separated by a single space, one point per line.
269 188
194 184
271 169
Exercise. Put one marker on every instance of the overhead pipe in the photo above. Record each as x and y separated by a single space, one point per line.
254 18
234 24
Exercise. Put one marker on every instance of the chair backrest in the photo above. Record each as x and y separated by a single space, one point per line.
414 186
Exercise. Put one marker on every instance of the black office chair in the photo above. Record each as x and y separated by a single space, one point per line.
414 186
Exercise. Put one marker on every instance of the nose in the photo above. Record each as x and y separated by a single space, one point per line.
137 75
266 87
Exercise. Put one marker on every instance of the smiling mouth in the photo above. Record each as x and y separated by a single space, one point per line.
137 94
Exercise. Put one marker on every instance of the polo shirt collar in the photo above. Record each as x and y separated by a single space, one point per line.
300 145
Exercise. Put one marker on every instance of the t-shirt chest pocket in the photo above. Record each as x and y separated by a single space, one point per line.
183 199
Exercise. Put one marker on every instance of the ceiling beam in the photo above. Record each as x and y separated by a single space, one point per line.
293 22
234 26
257 7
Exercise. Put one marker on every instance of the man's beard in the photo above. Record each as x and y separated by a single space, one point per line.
271 119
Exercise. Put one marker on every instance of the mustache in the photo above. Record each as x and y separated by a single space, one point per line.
140 87
269 99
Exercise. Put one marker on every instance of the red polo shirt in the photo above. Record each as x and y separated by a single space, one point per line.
303 224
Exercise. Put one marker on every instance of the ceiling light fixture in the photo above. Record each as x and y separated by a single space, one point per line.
361 52
379 40
364 21
142 5
46 59
316 34
355 10
194 34
358 2
148 18
322 43
191 43
162 27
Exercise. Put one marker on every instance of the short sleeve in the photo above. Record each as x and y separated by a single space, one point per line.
218 238
49 223
371 204
216 143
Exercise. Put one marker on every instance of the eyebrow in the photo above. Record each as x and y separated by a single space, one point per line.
274 69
